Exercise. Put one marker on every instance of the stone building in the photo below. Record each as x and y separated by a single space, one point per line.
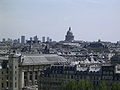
115 59
54 76
21 72
3 73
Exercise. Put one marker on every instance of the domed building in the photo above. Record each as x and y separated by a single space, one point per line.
69 37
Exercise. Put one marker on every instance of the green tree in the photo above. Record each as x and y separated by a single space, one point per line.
77 85
115 86
70 85
84 85
102 86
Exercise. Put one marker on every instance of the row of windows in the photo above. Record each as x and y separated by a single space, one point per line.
3 72
33 67
107 77
108 72
6 78
6 73
75 77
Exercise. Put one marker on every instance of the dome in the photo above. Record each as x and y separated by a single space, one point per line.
69 37
69 31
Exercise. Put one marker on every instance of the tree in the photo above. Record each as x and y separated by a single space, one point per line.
102 86
84 85
77 85
70 85
115 86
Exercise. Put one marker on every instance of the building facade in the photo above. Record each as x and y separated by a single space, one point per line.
22 39
54 76
21 72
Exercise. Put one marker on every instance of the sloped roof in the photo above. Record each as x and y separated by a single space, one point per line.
42 59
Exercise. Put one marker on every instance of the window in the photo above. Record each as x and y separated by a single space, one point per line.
2 85
7 71
25 75
72 76
30 75
15 84
35 75
7 78
25 83
7 84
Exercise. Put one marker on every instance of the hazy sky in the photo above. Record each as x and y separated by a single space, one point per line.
90 19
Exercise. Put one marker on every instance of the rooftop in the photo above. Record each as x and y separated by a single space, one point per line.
42 59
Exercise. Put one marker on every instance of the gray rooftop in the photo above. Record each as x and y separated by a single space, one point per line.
42 59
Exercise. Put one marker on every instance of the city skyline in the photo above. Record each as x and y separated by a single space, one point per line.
90 20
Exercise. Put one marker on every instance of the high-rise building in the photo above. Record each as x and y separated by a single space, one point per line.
69 37
22 39
43 39
18 40
48 39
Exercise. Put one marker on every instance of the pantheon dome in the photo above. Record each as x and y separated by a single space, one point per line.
69 37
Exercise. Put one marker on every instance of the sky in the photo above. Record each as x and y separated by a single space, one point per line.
90 20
